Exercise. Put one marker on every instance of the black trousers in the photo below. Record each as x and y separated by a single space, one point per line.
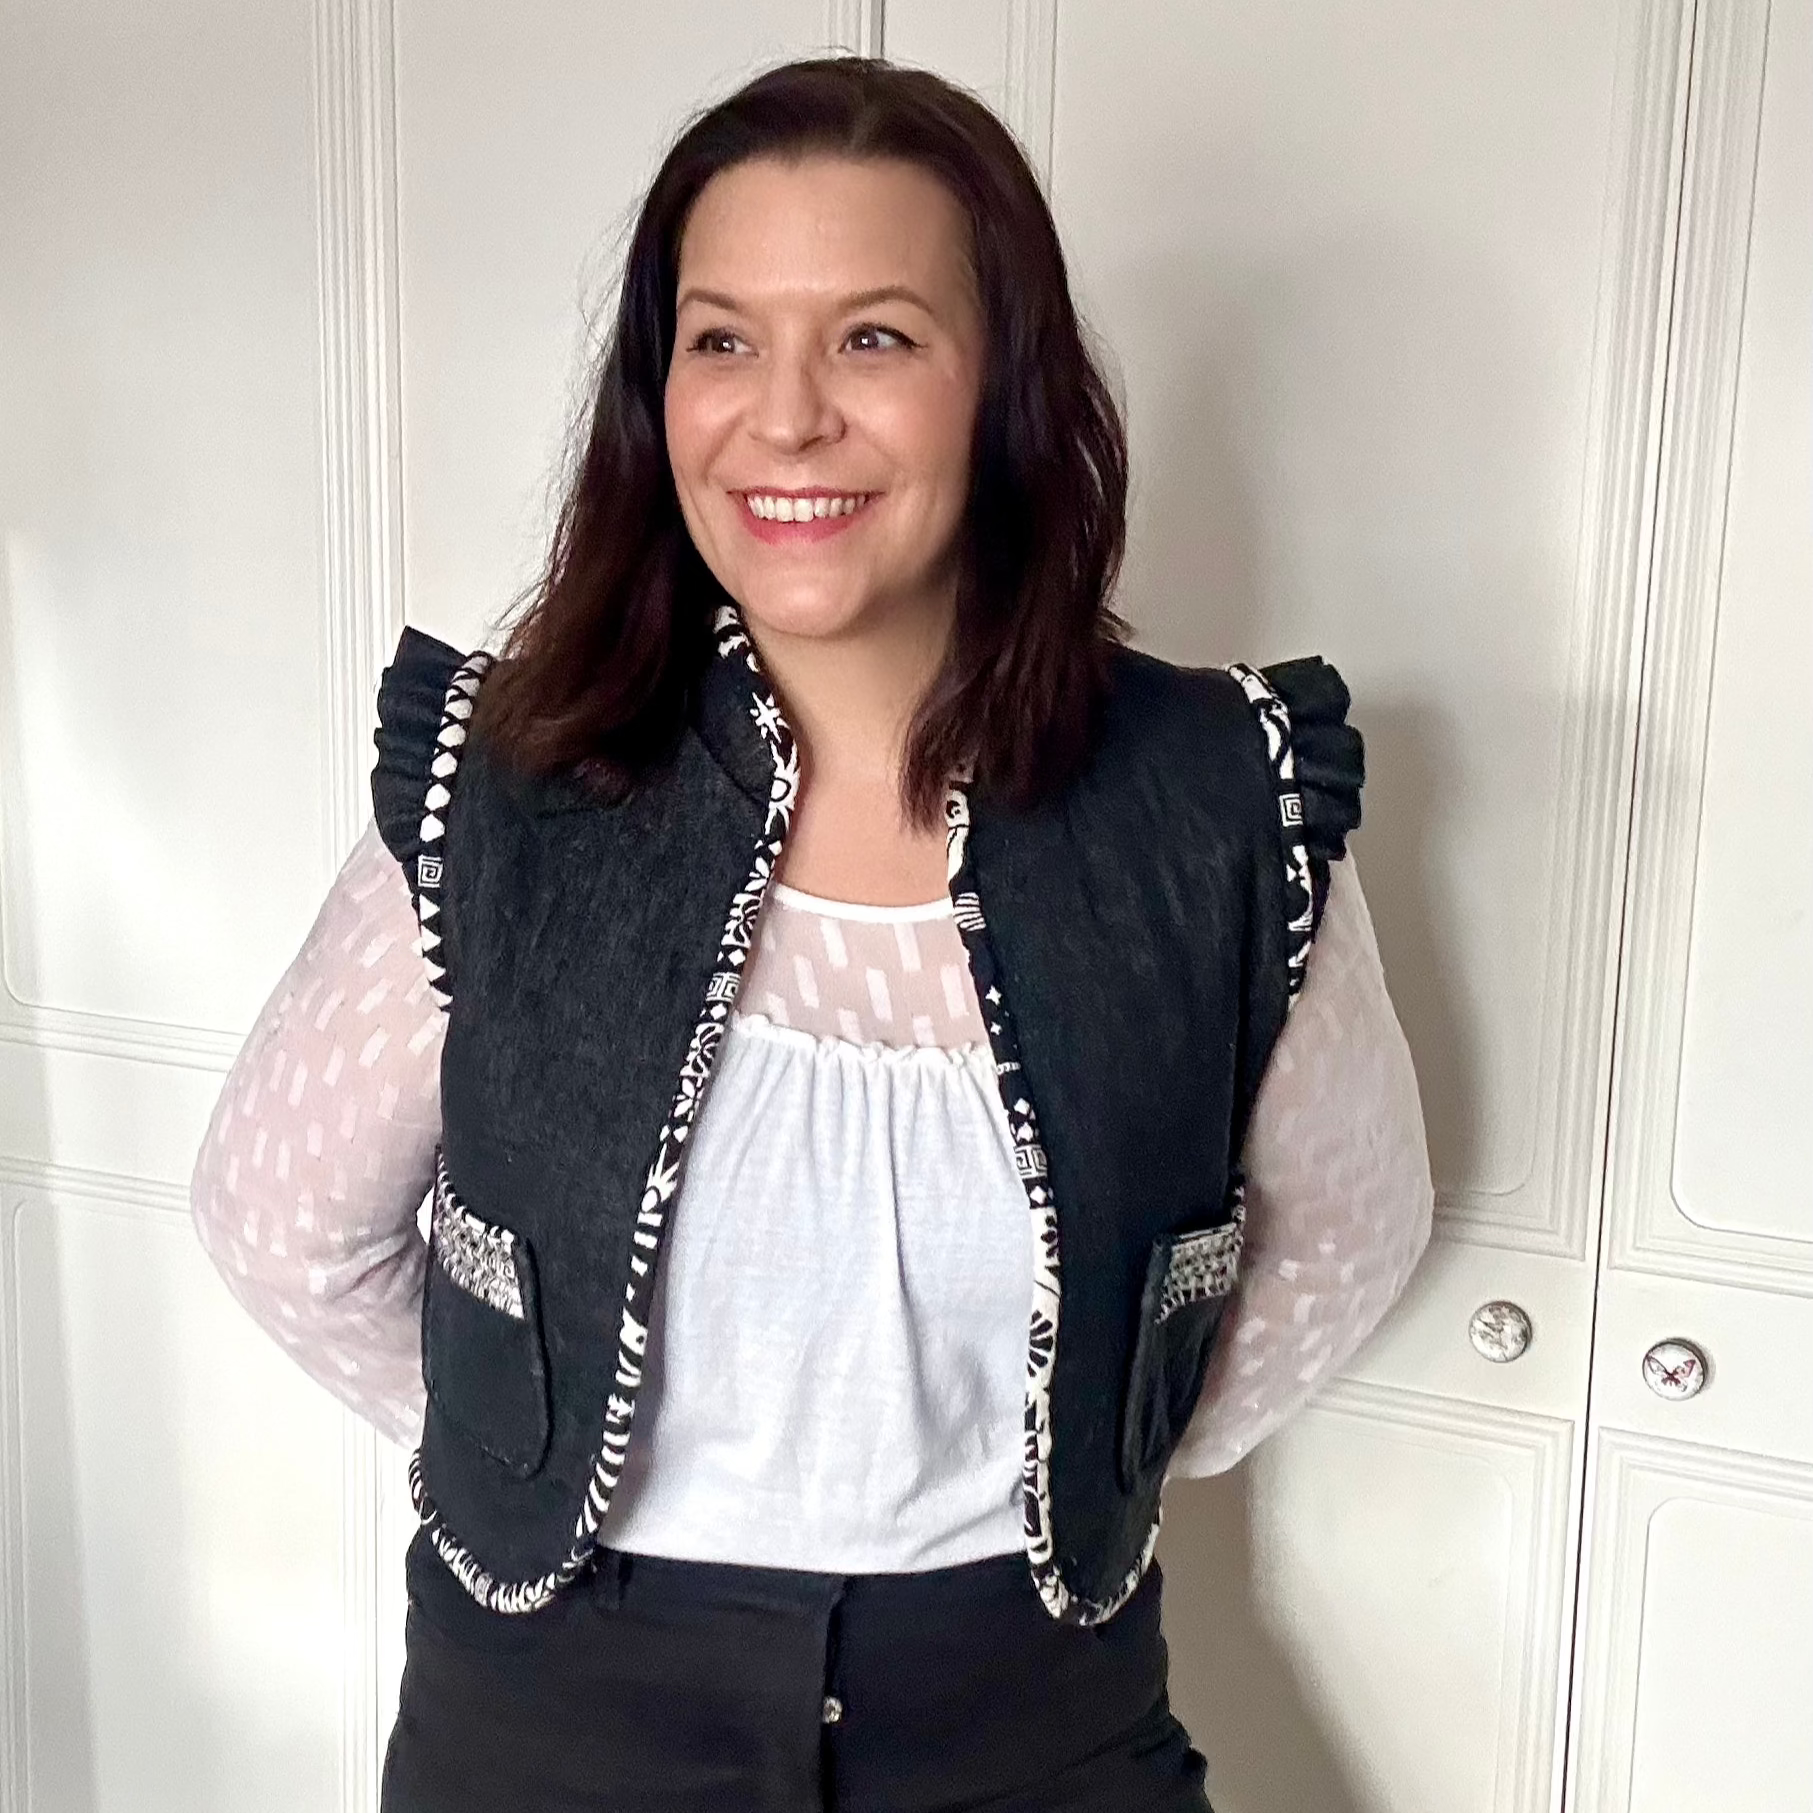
664 1686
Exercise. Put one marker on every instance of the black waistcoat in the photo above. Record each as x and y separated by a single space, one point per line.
1135 944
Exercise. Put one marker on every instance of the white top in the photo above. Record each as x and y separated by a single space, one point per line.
838 1331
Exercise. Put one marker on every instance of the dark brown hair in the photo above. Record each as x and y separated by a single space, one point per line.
597 669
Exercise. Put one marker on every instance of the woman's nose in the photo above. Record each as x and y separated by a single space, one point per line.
794 408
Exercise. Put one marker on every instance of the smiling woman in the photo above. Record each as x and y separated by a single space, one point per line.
820 410
867 1036
844 281
812 380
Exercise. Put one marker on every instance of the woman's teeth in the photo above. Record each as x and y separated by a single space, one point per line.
772 508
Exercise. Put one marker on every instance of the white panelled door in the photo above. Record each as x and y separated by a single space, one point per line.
1694 1665
293 300
1388 288
1465 344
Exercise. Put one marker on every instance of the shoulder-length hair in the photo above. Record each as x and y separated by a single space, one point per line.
597 670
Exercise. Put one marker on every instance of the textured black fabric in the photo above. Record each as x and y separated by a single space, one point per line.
662 1686
1139 923
580 945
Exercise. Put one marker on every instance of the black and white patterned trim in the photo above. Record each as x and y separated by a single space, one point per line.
1047 1285
663 1179
478 1256
1206 1263
449 744
1275 720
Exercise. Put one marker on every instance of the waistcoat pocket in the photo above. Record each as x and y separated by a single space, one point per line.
483 1360
1189 1281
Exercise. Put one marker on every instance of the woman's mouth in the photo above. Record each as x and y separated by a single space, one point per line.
794 516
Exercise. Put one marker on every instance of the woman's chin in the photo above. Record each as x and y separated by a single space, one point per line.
817 613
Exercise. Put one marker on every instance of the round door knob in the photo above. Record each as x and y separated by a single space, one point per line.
1675 1369
1500 1330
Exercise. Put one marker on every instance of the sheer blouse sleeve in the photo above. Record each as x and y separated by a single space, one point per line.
320 1148
1339 1203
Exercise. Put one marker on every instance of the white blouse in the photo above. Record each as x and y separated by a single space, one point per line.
837 1334
838 1328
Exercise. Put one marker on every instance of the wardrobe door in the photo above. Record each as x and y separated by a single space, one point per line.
1694 1682
171 1563
1385 286
293 297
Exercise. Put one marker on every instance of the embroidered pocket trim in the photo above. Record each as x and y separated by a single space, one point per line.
1202 1264
476 1255
1189 1282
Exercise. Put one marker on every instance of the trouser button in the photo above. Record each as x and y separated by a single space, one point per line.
834 1709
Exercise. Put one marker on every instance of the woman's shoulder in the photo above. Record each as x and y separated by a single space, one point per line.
1294 712
423 696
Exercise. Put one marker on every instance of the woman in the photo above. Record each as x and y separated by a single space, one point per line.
813 891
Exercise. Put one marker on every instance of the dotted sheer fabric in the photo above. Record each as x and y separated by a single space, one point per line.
320 1150
874 976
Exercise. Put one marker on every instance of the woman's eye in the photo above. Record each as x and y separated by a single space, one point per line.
715 340
876 327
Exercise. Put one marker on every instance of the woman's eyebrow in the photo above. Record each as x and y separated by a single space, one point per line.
892 292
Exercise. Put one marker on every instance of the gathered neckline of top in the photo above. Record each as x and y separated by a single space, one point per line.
966 1054
856 909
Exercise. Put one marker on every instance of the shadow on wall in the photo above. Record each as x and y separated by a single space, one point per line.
1236 1688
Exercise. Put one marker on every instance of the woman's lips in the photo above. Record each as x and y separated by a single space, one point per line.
793 533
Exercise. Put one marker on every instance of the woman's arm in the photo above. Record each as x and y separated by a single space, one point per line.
321 1149
1339 1204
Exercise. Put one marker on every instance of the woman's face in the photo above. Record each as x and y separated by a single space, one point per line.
827 363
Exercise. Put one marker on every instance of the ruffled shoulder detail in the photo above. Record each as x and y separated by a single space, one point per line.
1318 765
424 699
411 694
1328 753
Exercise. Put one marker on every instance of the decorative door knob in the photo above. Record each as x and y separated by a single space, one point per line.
1499 1330
1674 1369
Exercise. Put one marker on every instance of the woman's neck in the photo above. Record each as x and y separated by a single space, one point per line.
850 700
